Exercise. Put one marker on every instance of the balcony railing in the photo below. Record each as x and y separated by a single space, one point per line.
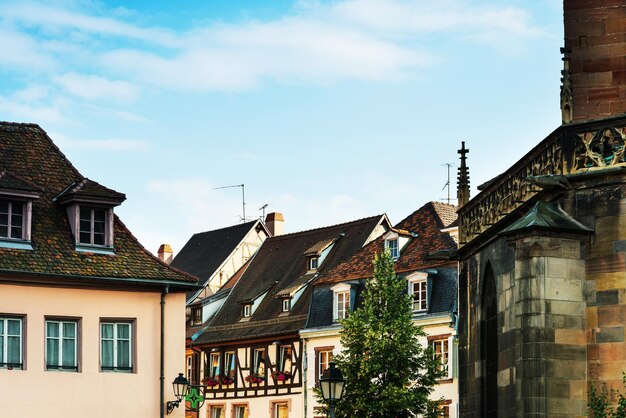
570 149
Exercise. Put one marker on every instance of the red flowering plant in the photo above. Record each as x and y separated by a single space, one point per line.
226 380
211 381
281 376
255 378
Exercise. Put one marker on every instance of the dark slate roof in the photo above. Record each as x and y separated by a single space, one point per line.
278 265
426 222
88 190
206 251
12 182
27 151
547 216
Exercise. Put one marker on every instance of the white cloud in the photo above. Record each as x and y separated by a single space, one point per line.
93 87
20 50
19 110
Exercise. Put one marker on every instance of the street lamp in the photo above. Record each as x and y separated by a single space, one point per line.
331 384
180 384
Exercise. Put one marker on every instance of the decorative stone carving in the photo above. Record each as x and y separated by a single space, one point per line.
603 148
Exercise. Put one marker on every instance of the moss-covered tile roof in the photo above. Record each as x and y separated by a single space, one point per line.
27 152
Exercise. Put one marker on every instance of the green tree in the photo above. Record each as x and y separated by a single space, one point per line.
388 372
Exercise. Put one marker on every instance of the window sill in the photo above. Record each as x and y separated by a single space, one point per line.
15 244
117 370
83 248
444 381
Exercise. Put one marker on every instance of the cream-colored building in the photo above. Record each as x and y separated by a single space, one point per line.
84 308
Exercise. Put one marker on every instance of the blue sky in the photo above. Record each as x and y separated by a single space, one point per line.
327 111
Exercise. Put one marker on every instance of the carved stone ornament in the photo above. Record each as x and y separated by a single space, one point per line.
600 149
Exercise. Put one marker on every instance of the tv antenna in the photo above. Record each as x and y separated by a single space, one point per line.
263 209
243 197
449 165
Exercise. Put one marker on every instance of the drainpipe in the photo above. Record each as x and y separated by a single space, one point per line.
166 290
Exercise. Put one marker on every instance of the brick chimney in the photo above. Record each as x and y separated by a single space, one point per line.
275 223
165 253
594 60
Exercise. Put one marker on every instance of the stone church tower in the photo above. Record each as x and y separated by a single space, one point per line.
542 282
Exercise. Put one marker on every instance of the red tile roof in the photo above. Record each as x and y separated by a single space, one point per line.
426 222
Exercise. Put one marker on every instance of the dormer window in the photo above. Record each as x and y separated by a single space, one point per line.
341 301
12 219
418 289
16 203
247 310
286 304
90 213
312 263
196 316
93 226
392 245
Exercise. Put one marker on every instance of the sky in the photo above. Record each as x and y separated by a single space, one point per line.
327 111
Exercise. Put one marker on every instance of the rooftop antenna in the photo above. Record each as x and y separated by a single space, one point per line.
263 209
243 197
447 183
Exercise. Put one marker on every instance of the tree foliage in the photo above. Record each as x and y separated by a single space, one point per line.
388 372
600 405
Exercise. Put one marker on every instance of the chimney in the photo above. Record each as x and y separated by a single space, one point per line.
594 66
165 253
463 183
275 223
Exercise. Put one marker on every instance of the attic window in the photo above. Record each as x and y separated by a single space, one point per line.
312 263
286 304
391 244
93 226
196 316
247 310
13 217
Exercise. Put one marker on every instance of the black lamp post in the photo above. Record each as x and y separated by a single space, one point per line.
180 384
331 384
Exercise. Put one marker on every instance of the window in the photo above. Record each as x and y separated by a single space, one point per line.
280 410
229 364
216 412
11 343
392 246
286 304
214 365
116 346
196 316
189 369
12 219
418 290
312 264
323 356
441 352
342 304
258 361
284 358
240 411
61 345
247 310
92 226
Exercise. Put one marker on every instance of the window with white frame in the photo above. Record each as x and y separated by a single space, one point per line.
341 301
229 364
418 289
214 364
258 362
323 359
61 345
313 262
286 304
11 343
116 346
247 310
441 352
217 412
240 411
284 358
12 219
391 244
189 369
92 226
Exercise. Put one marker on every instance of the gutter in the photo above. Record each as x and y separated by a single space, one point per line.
166 290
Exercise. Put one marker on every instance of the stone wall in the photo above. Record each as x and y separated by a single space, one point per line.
595 36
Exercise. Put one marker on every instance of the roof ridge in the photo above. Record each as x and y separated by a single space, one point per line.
312 230
226 227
